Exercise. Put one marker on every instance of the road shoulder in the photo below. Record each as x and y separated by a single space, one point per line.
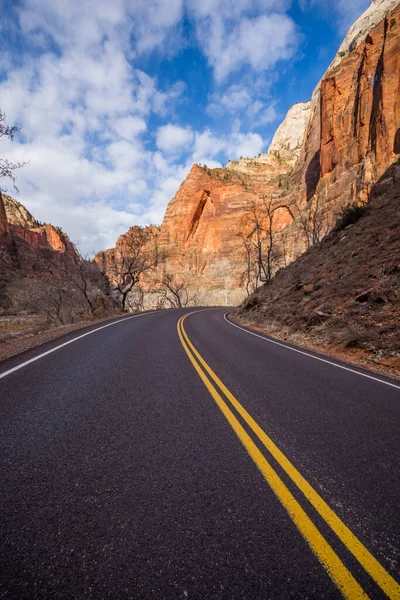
352 357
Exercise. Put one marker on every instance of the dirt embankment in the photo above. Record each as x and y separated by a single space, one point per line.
343 295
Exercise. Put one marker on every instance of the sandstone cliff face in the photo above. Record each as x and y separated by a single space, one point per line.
26 244
17 214
357 33
43 279
360 115
327 153
289 136
3 219
199 234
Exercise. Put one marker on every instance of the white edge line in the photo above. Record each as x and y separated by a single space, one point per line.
31 360
329 362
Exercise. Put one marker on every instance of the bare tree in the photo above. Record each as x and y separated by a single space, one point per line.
313 223
132 259
135 300
87 279
176 291
249 276
53 296
7 167
263 237
284 243
221 270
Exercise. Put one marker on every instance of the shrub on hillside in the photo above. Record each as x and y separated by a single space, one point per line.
251 302
349 215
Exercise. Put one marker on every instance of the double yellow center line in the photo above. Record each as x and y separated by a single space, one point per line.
336 569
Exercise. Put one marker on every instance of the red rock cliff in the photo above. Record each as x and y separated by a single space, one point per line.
351 137
360 113
25 241
3 218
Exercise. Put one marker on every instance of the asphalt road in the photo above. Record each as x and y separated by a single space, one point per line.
128 471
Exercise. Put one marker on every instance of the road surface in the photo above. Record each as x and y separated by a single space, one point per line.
173 455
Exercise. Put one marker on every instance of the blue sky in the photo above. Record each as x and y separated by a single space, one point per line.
117 100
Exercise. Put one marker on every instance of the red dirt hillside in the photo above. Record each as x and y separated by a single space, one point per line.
344 293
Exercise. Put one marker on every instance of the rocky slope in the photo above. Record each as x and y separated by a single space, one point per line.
43 279
23 238
343 294
327 153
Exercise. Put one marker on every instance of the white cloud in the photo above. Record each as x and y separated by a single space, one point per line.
208 146
267 114
101 138
173 139
245 145
259 42
245 101
84 108
129 127
86 24
233 99
244 33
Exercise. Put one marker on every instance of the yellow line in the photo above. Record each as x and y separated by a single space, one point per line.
329 559
370 564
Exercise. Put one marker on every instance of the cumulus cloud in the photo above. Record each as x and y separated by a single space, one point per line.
129 127
84 110
252 33
257 108
172 139
208 146
106 145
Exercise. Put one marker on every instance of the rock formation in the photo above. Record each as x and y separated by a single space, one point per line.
29 251
4 230
27 239
289 136
43 279
343 294
375 13
360 114
326 154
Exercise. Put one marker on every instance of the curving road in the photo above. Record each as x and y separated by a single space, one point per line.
173 455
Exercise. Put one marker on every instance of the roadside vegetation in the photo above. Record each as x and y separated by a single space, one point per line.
344 292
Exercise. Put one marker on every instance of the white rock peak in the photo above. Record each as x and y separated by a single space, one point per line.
290 133
289 136
358 32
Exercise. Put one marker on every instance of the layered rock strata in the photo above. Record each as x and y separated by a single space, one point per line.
25 241
326 154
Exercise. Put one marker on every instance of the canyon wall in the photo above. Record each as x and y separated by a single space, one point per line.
360 115
25 241
4 230
326 154
29 253
43 279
